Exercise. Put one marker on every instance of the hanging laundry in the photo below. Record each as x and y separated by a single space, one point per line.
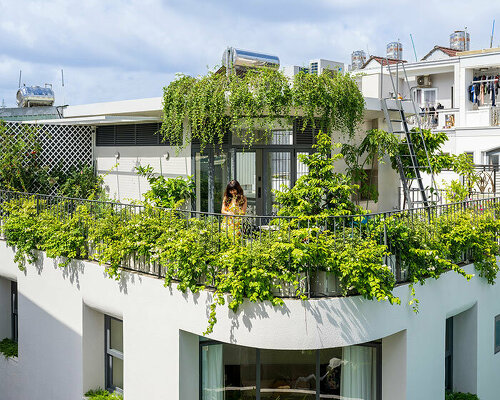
493 94
481 95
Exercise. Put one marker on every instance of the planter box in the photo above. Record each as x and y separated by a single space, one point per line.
324 283
284 289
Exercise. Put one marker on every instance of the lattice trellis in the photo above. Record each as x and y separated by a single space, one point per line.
63 146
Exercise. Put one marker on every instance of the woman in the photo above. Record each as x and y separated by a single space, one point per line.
234 203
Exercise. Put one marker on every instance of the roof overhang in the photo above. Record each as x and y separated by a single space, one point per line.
97 120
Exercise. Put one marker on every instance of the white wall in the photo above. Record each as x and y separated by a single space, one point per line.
465 351
394 366
119 174
160 323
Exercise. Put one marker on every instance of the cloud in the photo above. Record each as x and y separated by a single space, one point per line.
119 49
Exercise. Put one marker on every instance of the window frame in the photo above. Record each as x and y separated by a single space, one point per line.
210 342
14 311
496 345
109 353
421 103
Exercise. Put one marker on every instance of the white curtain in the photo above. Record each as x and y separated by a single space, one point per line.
357 380
212 372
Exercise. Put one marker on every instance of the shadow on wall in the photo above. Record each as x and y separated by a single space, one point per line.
48 351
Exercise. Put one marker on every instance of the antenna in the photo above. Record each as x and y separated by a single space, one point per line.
413 44
492 33
62 84
20 74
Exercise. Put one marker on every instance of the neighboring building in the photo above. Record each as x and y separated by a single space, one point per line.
455 92
315 67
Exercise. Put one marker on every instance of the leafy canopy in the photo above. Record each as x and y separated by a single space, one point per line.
213 104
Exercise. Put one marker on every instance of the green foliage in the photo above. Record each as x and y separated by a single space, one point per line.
375 144
167 192
322 191
433 142
101 394
213 104
463 165
460 396
209 253
8 348
81 182
21 229
21 169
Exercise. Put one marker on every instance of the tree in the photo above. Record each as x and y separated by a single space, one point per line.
322 191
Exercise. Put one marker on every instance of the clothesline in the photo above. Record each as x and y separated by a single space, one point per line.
486 80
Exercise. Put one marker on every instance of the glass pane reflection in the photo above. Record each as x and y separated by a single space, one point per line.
288 375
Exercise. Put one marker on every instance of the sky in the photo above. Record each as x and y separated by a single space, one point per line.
127 49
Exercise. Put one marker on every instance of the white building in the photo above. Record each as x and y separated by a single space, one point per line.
78 330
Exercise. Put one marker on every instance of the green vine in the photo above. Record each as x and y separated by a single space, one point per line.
258 100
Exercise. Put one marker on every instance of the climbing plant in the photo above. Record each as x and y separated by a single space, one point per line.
209 106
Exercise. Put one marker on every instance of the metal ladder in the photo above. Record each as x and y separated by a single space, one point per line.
409 173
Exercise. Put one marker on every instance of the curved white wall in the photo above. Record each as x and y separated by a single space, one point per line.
57 305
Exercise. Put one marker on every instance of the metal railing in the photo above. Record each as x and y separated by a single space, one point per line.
439 197
250 230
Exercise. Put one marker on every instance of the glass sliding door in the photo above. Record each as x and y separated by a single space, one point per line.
221 172
278 173
246 175
201 181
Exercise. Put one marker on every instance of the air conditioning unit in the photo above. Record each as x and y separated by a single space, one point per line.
424 81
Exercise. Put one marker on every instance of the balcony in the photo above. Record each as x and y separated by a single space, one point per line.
271 256
442 119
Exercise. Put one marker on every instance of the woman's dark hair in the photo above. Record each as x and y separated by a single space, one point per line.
228 197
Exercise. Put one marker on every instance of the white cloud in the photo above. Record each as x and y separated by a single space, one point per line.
118 49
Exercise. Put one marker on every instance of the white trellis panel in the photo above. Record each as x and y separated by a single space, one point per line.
62 145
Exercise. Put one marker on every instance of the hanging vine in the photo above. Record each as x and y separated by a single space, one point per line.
260 99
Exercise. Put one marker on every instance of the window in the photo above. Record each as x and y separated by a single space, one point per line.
234 372
425 97
13 309
497 334
114 353
448 355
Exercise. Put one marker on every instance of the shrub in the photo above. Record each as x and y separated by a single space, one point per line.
8 348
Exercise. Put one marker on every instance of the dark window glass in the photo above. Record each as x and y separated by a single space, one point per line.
230 372
114 353
287 375
497 333
13 305
448 355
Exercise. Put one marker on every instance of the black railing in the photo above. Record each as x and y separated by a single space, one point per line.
251 230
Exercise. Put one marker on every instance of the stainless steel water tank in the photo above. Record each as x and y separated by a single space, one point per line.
358 58
31 96
395 50
460 40
237 58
